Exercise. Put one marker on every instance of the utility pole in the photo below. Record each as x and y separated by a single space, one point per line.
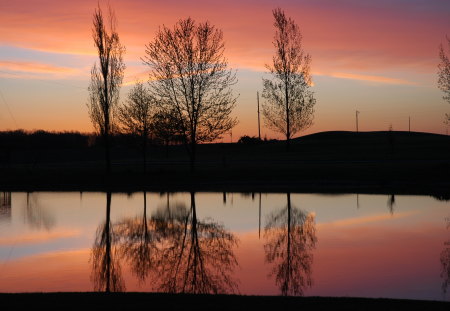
259 126
409 124
357 113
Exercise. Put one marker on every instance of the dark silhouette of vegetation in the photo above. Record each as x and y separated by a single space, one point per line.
136 116
249 140
21 139
197 256
73 161
190 79
444 73
164 129
290 238
106 77
106 271
289 102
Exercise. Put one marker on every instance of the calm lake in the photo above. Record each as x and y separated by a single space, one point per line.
360 245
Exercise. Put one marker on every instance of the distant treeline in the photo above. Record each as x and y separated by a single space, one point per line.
21 139
40 139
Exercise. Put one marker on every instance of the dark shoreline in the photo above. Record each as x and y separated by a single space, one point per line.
120 183
214 181
440 191
328 162
136 301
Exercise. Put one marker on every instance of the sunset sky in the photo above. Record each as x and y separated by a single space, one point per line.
379 57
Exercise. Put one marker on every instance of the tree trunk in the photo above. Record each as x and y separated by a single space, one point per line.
144 154
288 123
107 153
192 155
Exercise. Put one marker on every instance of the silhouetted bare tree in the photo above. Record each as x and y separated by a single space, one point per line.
197 256
106 271
444 73
106 77
164 129
289 102
136 116
190 79
291 236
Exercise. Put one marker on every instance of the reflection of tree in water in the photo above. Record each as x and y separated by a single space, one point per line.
445 262
291 236
196 255
106 272
138 242
5 206
391 203
36 215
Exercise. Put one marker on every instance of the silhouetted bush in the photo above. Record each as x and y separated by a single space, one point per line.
249 140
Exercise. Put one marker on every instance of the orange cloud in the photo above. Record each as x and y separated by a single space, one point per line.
34 67
370 78
338 37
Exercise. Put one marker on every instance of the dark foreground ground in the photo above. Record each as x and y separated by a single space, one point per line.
365 162
146 301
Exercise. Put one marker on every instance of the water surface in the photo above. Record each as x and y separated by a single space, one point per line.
393 246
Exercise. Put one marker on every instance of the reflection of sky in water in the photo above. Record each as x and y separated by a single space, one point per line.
362 248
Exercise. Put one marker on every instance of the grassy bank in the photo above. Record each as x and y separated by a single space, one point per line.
379 162
140 301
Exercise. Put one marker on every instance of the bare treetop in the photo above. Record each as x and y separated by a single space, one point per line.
106 77
444 73
290 58
189 77
137 112
289 104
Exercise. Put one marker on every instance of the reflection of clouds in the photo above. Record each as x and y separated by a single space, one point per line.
36 215
445 262
40 237
368 219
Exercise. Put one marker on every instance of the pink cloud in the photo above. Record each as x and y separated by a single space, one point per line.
34 67
361 37
372 79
